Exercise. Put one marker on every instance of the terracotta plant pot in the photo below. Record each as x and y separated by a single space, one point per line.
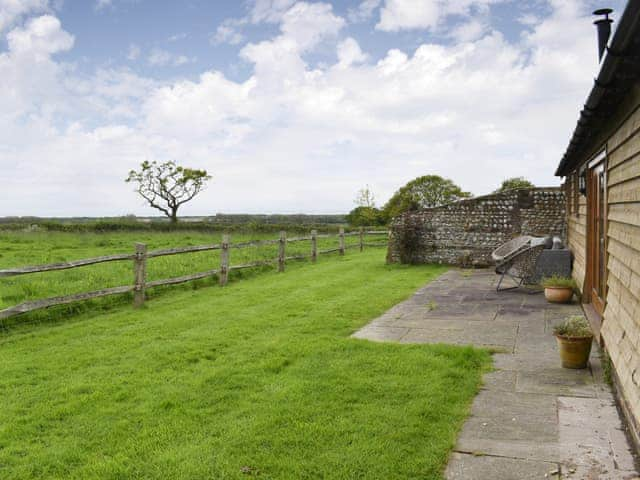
574 351
558 294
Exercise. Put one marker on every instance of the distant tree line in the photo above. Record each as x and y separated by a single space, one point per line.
129 225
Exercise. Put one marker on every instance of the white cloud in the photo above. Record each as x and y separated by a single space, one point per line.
41 36
529 19
228 32
134 52
176 37
292 137
269 10
398 15
309 23
364 11
279 62
13 10
162 58
470 30
301 22
350 53
199 109
102 4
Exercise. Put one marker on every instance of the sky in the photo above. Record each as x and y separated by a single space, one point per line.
291 106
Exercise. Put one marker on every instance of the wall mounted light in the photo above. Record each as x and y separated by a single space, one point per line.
582 181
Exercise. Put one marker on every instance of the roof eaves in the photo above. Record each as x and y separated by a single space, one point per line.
619 67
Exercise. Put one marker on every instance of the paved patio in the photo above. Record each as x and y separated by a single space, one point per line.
532 418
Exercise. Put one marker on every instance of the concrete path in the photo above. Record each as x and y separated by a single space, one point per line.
532 418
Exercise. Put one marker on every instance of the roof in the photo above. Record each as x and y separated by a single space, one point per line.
619 70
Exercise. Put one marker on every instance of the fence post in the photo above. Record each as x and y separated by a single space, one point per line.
314 246
224 260
281 250
361 238
139 274
341 240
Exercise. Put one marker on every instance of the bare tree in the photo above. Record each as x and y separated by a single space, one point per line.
365 198
167 186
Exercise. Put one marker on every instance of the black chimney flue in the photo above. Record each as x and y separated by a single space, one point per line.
604 29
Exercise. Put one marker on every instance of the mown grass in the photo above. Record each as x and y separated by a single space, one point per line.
257 379
35 248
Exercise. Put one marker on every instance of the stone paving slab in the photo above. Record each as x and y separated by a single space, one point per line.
504 341
578 383
509 404
500 381
523 362
467 467
519 449
532 419
381 333
506 428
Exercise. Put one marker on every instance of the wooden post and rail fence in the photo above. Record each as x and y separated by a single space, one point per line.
141 256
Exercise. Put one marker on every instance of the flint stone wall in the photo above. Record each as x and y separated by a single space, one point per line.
465 233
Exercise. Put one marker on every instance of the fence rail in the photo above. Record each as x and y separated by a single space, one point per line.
179 250
64 265
141 255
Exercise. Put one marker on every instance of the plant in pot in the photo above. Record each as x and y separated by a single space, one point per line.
558 289
574 339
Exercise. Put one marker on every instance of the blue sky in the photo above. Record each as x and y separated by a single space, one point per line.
105 35
291 105
106 31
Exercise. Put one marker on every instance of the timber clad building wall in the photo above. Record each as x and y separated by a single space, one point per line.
466 232
621 318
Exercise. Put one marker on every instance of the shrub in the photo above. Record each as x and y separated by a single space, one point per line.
365 217
575 326
558 281
514 183
410 239
423 192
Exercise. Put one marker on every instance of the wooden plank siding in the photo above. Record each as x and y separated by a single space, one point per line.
577 231
621 322
621 319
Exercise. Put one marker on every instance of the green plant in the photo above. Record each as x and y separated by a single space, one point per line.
166 186
423 192
558 281
365 217
575 326
607 367
410 239
514 183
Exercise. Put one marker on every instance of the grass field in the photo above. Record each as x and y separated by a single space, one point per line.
28 248
257 379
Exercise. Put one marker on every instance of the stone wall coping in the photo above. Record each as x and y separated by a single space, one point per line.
488 196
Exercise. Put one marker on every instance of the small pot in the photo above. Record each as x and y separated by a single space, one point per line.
558 294
574 351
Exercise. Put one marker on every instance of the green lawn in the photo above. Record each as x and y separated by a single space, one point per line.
19 249
257 379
